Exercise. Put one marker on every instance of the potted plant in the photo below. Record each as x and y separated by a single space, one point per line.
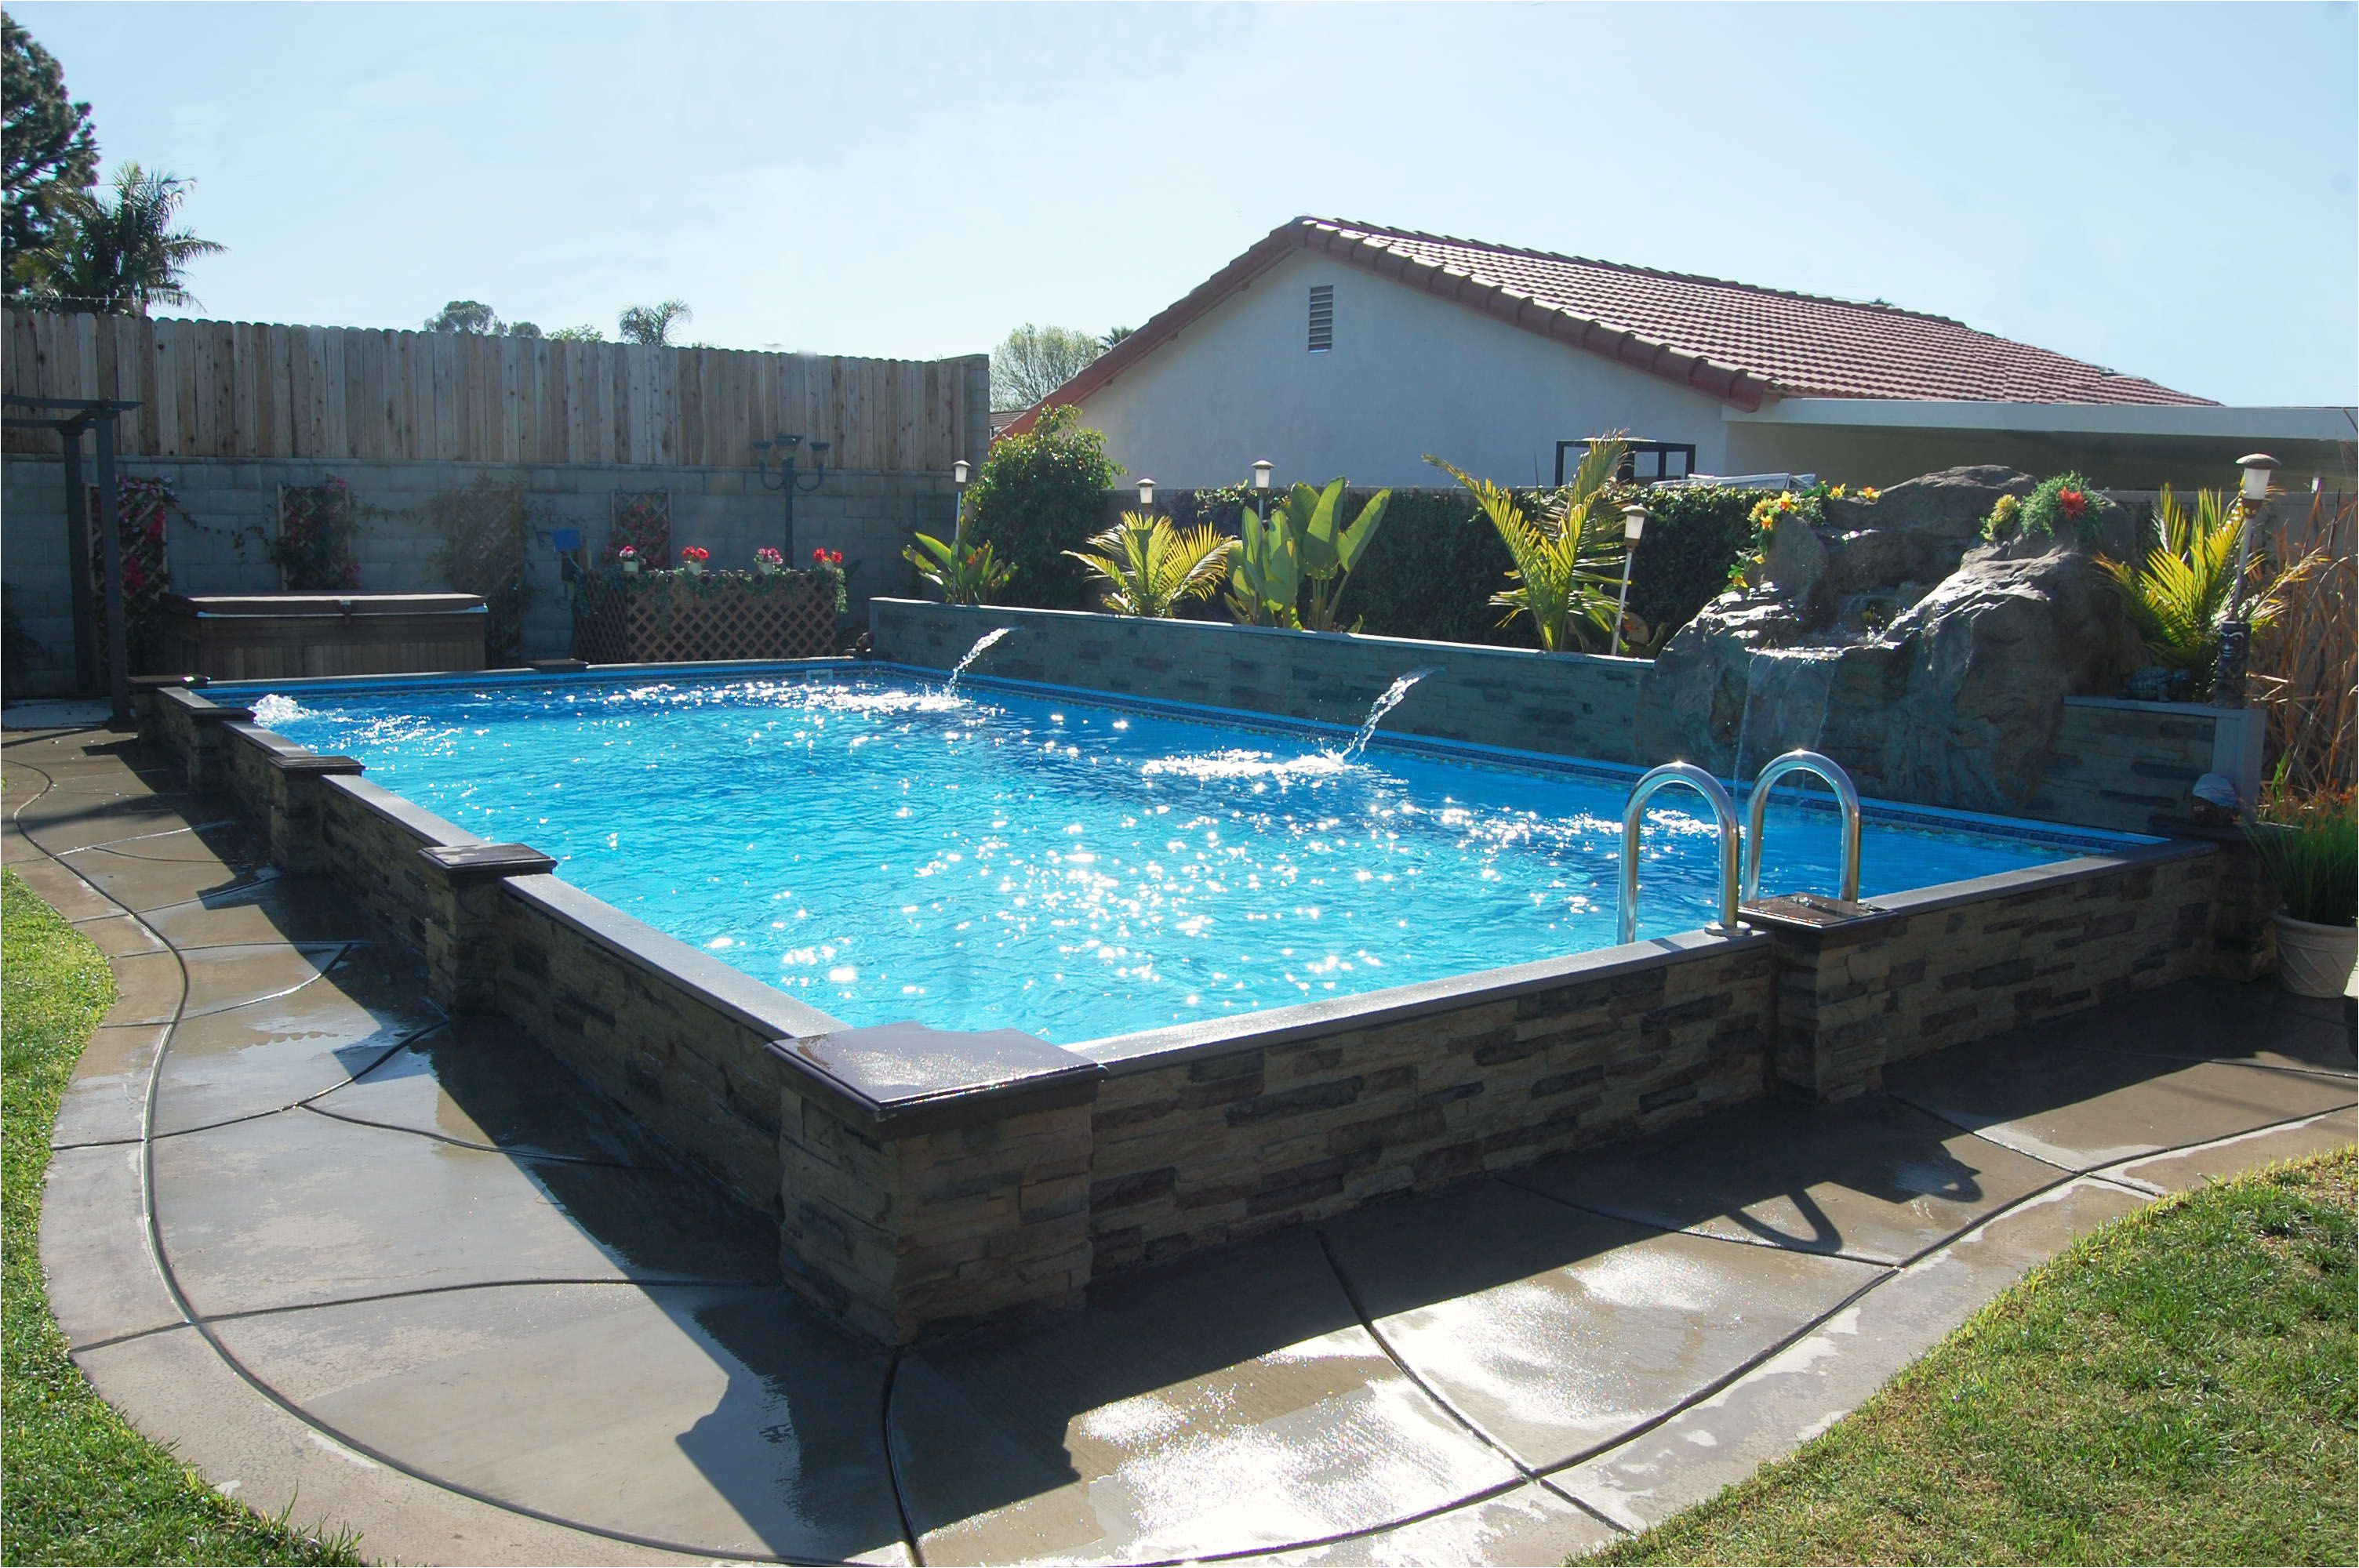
628 559
769 561
692 558
2310 850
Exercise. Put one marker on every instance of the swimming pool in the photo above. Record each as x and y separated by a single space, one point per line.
1062 862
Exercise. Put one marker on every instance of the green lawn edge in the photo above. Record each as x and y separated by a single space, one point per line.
82 1486
2176 1387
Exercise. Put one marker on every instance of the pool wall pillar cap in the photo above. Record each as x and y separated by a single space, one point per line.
910 1078
465 864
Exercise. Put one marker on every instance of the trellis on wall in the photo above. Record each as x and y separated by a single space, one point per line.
642 519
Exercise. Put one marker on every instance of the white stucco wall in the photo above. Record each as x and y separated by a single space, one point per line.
1409 373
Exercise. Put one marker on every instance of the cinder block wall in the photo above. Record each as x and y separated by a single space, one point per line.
227 512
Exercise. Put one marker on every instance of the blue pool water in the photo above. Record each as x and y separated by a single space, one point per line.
884 851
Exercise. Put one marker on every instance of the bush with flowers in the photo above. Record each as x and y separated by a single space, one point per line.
2066 506
1808 507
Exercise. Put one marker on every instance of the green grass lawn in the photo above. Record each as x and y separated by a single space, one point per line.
2175 1388
81 1485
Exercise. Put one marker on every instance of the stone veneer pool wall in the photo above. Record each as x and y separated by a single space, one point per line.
923 1179
2127 766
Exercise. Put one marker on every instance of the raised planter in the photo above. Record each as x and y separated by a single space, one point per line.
678 617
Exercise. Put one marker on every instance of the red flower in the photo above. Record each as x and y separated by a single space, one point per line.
836 557
818 555
2073 502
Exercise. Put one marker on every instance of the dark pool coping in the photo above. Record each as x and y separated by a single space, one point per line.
1152 1048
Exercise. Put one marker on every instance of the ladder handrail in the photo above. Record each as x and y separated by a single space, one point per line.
1756 812
1722 809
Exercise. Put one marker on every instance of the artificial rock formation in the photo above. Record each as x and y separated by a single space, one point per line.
1933 666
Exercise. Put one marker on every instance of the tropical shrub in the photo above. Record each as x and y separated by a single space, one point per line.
2064 506
966 572
1147 567
1303 543
2183 590
1037 500
2310 850
314 547
1568 559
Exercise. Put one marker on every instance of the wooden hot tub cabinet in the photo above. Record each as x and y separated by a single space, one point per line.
272 635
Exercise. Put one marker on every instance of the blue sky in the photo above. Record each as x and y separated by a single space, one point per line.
2165 189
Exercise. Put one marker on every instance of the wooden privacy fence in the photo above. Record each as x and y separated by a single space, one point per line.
238 389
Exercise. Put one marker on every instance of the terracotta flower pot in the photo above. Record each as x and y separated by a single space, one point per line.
2313 960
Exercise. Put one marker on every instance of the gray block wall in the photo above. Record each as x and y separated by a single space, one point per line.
227 512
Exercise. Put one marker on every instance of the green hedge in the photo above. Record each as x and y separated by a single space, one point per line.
1433 568
1037 496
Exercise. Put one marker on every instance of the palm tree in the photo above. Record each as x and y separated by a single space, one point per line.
651 324
1567 559
119 257
1147 567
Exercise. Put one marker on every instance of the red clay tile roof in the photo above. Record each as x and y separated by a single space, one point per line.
1732 340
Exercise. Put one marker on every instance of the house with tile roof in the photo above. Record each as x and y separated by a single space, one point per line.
1341 348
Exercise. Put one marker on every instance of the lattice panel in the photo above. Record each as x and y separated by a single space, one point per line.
666 617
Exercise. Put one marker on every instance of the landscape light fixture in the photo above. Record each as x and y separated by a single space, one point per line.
790 482
1633 525
1262 468
2236 630
2259 467
1145 493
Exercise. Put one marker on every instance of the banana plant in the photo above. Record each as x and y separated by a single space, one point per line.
1567 560
1150 566
1265 574
1305 540
1329 549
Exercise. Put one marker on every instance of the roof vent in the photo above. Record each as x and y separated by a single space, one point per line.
1322 317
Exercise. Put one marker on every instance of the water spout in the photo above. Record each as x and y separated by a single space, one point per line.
1388 699
981 643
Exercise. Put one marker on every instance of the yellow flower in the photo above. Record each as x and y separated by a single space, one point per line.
1869 492
1837 492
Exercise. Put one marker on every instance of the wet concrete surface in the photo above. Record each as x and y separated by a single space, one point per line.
414 1277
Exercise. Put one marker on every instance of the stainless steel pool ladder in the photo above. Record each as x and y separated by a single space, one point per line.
1722 809
1756 810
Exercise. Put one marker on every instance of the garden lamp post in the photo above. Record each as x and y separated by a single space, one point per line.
790 482
1634 524
1261 487
959 470
2236 632
1145 494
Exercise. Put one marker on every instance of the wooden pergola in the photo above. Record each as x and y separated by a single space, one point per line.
70 418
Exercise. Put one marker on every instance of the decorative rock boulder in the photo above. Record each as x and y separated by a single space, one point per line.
1958 697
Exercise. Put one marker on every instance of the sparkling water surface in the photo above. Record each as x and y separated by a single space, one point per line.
884 851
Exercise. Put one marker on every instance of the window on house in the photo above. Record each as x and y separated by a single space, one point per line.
1322 317
1646 462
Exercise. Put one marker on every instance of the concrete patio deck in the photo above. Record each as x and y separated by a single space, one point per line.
407 1273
